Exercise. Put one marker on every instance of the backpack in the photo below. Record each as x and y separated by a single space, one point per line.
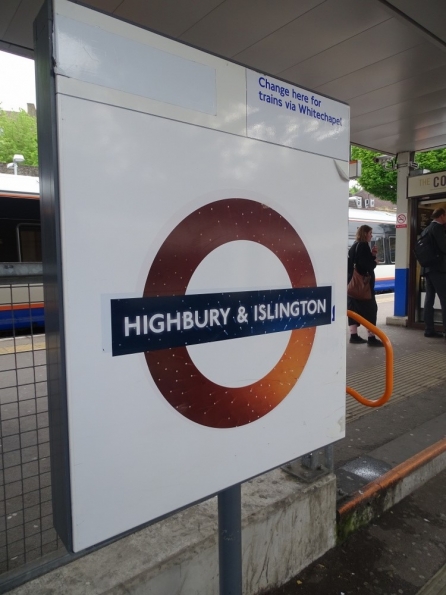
426 250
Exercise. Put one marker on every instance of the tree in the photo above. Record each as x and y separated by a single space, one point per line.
381 182
432 160
18 135
374 178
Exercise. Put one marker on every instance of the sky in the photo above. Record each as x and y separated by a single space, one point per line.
17 83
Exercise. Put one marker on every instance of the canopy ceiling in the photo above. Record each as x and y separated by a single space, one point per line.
387 59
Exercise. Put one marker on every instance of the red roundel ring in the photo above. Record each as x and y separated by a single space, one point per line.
175 374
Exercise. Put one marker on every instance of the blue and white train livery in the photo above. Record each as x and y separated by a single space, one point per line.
383 225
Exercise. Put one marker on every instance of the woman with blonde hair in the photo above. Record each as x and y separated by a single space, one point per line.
363 258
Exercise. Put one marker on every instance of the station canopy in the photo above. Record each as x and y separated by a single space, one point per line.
386 59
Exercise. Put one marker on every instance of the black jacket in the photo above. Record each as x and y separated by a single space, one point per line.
361 256
438 232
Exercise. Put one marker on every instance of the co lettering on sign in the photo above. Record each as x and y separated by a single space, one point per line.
439 181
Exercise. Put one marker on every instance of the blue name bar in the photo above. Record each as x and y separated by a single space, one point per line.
152 323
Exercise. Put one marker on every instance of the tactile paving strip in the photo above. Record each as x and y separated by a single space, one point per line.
413 373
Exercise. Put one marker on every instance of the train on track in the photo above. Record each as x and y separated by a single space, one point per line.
21 290
383 224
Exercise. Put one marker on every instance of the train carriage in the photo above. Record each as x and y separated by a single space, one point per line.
383 226
21 291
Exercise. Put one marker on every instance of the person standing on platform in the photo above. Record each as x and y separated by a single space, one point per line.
435 275
364 259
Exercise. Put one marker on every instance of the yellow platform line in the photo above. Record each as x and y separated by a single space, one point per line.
38 346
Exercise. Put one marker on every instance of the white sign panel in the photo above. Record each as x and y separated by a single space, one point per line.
204 317
98 56
287 115
427 185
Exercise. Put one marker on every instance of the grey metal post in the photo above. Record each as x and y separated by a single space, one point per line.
310 460
230 540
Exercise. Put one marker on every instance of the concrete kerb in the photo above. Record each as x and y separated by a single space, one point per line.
286 526
383 493
396 321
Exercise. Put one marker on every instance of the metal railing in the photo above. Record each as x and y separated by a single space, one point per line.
27 534
389 365
313 465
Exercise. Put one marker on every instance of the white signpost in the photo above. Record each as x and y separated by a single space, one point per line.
199 304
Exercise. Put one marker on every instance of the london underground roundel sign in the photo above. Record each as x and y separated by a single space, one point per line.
165 321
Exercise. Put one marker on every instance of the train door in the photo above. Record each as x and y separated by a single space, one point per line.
378 241
384 239
29 242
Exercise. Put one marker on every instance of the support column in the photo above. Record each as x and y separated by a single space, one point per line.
402 236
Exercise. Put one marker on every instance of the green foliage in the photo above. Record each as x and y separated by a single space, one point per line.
354 190
432 160
18 135
381 182
375 179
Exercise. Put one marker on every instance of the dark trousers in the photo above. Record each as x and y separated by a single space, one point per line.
435 284
368 309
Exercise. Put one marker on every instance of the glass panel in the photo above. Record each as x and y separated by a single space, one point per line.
392 249
379 243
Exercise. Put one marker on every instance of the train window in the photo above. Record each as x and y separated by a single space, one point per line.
392 249
379 243
29 243
353 228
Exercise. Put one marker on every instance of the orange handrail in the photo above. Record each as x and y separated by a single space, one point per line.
389 364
